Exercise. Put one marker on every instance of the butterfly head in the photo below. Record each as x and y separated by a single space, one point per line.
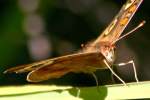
108 50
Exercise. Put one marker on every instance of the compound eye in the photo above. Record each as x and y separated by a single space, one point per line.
110 55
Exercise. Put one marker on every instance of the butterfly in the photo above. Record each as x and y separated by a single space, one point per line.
99 54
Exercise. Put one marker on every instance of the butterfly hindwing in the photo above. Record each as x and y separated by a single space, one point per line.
83 62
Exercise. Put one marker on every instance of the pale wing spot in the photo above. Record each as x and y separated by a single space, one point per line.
111 27
129 4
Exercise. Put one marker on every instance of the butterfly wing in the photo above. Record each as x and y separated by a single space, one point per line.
82 62
28 67
119 23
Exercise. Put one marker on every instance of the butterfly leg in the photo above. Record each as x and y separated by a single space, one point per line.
114 73
134 68
78 92
96 80
112 76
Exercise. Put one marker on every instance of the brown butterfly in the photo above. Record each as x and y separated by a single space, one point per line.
99 54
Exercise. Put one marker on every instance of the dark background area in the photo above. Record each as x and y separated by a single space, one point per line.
32 30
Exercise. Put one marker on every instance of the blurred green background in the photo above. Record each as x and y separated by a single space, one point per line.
32 30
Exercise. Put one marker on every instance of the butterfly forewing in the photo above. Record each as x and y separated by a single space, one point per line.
119 23
28 67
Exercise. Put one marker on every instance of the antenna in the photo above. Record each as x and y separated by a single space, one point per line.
128 33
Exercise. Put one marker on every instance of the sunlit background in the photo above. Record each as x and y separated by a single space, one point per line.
33 30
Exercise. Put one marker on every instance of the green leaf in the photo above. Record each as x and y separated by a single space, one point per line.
51 92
